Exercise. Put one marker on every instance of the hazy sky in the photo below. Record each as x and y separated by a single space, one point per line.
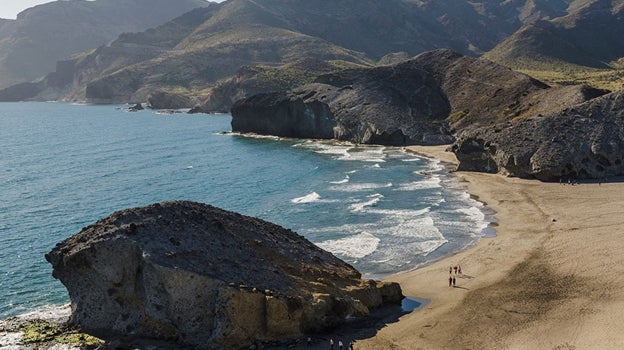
10 8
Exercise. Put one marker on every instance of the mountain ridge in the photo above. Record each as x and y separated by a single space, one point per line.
31 45
276 32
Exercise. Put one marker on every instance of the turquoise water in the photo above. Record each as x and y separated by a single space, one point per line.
63 166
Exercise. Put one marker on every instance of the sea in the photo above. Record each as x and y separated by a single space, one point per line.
64 166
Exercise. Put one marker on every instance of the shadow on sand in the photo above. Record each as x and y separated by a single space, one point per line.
357 328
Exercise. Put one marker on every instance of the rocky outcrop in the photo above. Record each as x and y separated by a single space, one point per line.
252 80
202 276
583 141
168 100
419 101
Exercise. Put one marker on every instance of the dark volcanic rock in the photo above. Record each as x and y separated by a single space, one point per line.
202 276
419 101
585 141
168 100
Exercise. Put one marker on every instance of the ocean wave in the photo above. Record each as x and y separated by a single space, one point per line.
393 214
358 207
428 183
343 181
346 151
308 198
357 246
360 187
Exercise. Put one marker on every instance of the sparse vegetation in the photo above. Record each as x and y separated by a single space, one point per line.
45 332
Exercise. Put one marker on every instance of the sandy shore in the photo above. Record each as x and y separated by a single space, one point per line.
550 279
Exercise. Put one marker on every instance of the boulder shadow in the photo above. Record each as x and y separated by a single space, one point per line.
357 328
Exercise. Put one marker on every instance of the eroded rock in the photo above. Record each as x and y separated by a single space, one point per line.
199 275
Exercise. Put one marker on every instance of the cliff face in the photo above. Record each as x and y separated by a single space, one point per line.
583 141
198 275
419 101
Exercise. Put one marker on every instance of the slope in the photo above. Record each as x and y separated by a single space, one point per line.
42 35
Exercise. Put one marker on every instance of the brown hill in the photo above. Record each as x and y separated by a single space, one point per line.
31 45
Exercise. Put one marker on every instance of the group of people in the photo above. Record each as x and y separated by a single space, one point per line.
457 269
332 344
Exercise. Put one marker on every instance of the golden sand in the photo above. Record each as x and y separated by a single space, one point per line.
552 278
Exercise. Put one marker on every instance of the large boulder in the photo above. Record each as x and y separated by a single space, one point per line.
199 275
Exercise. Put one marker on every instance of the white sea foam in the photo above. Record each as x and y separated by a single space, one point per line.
365 154
428 183
373 199
393 214
360 187
356 246
346 151
476 215
435 165
343 181
337 150
308 198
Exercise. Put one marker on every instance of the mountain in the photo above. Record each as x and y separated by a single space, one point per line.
31 44
224 37
587 39
425 100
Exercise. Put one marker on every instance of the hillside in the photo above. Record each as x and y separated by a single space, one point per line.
240 33
582 46
31 44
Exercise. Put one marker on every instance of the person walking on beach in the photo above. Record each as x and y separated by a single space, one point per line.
453 281
309 342
340 345
450 280
459 269
331 343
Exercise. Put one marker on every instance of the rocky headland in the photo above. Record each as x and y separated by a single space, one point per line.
584 141
497 120
194 274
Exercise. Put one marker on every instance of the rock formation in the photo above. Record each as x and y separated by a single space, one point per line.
202 276
419 101
168 100
583 141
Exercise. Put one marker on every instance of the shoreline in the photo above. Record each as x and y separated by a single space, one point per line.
547 280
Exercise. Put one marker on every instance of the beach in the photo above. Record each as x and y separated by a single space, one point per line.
549 279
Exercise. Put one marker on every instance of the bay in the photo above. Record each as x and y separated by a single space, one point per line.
63 166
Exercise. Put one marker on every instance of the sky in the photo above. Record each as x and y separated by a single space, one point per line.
10 8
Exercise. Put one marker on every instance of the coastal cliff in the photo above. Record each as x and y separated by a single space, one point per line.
197 275
583 141
426 100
